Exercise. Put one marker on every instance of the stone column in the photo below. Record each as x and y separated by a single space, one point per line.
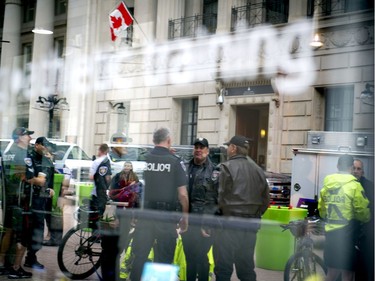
193 7
145 25
9 64
11 32
297 10
166 10
43 76
224 16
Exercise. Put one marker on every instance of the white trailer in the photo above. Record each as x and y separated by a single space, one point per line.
311 164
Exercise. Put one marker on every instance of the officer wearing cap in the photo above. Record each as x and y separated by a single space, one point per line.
16 200
203 191
42 167
244 193
165 185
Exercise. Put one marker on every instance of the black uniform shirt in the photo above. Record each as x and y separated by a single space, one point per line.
14 169
165 172
100 178
45 165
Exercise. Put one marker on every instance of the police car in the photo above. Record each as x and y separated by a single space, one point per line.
71 156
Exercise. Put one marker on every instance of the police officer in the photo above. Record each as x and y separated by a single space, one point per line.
100 173
203 194
17 198
344 207
42 166
165 185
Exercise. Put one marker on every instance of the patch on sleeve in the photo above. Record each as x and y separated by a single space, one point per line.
103 170
215 175
28 162
183 165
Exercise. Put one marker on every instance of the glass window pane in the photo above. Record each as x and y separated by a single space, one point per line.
339 108
189 120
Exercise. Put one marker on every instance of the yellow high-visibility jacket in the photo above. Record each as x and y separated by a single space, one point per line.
342 199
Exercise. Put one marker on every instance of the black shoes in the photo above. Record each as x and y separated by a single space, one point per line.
19 273
34 264
4 270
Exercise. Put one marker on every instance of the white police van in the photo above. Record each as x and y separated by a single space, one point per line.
66 154
120 151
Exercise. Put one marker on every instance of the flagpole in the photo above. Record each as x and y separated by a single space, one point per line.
148 41
141 29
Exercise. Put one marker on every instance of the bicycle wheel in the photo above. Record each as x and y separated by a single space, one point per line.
78 255
302 265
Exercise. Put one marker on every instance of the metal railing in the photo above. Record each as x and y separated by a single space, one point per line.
251 15
192 26
336 7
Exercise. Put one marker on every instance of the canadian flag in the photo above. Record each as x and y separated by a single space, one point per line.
119 20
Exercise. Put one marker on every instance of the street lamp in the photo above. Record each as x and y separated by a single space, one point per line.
120 107
367 95
52 103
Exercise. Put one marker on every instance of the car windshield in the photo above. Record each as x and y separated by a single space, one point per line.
3 146
75 154
127 154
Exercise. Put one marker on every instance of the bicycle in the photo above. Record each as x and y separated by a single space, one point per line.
78 255
304 262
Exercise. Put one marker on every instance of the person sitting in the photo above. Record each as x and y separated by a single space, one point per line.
125 186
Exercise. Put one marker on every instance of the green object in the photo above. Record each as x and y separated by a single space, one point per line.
57 183
84 191
274 247
126 261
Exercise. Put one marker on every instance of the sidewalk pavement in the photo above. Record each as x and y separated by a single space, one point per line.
48 257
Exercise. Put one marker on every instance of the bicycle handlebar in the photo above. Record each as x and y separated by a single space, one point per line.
301 227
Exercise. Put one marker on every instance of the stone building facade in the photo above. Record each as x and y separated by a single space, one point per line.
204 68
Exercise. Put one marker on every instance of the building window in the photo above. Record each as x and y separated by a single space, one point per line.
27 51
29 8
339 108
2 13
196 25
59 46
189 120
334 7
60 7
277 11
210 15
256 13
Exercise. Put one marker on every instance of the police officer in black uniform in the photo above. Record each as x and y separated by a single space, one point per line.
100 173
40 164
165 185
17 203
203 196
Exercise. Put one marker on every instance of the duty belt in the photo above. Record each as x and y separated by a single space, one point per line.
164 206
337 221
234 214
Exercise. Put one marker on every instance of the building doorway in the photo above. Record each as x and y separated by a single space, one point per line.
252 122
